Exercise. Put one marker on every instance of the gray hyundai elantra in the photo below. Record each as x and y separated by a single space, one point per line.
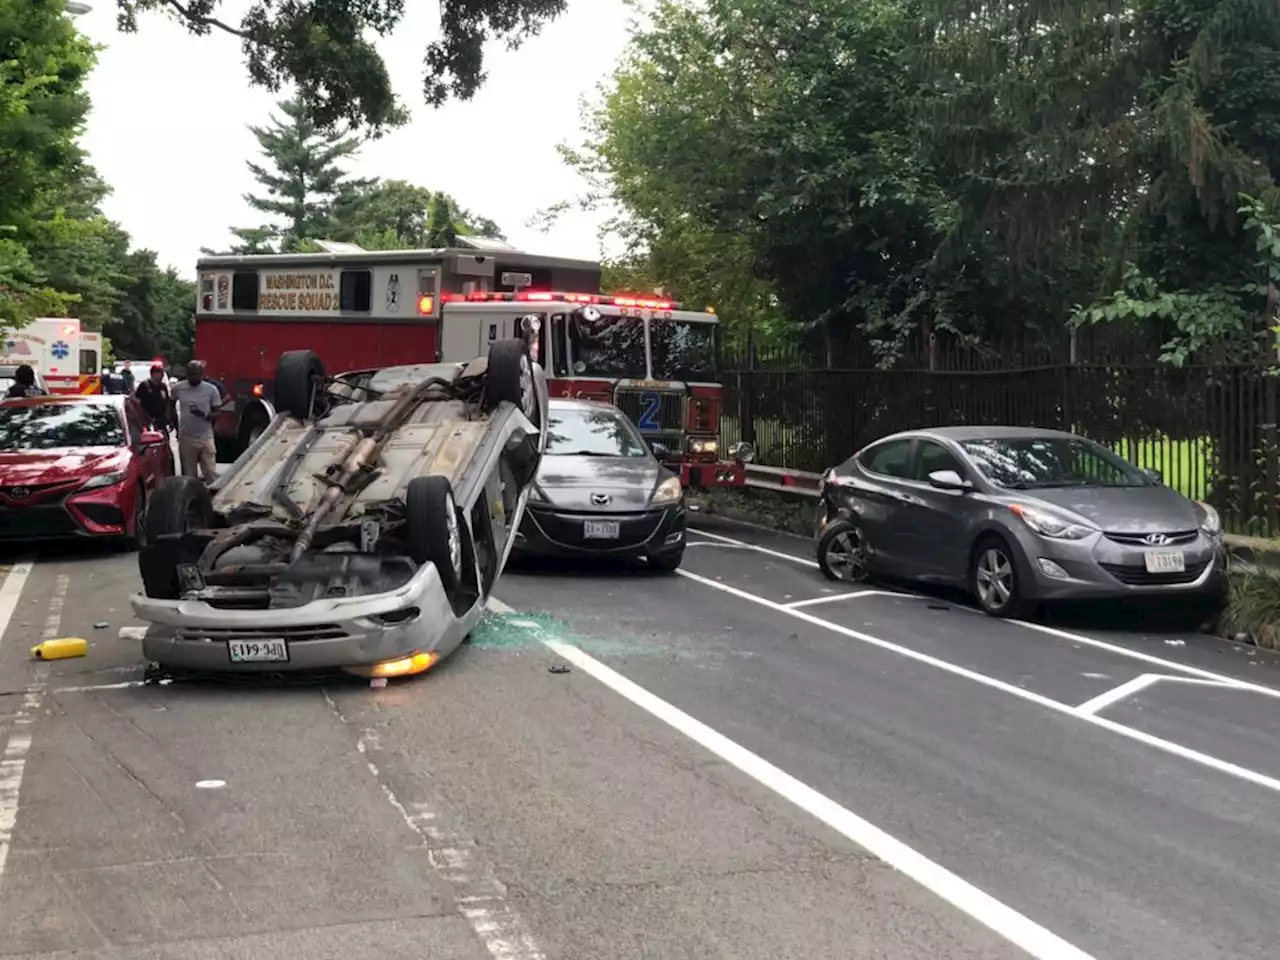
1018 516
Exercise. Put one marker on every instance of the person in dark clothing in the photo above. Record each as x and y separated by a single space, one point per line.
126 375
24 384
152 395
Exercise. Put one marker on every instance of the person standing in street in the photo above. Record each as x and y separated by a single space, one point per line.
24 384
194 404
152 395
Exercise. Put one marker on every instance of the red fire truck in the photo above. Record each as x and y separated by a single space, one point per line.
361 309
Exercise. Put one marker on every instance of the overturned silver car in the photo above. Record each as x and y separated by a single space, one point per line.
364 529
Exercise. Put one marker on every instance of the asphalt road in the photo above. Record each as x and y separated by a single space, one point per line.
740 761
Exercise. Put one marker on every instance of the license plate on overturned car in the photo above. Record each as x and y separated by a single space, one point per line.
258 651
601 529
1165 561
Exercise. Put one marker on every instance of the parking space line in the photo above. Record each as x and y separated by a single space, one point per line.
1167 746
757 548
795 605
1115 648
1039 942
1116 694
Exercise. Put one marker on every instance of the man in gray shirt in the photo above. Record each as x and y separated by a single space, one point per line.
195 401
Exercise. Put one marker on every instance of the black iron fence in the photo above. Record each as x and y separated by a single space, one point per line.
1211 431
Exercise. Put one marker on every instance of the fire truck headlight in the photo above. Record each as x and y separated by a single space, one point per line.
704 445
743 452
669 491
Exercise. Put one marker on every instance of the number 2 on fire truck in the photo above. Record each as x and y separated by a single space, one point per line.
649 411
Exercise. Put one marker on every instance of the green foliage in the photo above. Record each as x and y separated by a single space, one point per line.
893 169
396 215
305 184
328 50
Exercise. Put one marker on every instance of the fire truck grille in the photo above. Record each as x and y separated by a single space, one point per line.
653 411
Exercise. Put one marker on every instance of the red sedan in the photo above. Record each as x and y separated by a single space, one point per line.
77 466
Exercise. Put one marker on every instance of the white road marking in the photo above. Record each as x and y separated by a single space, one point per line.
1037 941
1125 690
1088 641
13 764
795 605
1116 694
480 895
1168 746
210 784
757 548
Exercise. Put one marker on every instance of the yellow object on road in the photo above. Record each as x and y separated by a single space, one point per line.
60 649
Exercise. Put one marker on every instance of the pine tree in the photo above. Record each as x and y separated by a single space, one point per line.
306 187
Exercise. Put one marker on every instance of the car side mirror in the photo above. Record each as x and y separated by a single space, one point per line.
660 450
949 480
1155 476
151 438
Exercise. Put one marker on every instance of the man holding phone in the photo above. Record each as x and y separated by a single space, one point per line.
195 402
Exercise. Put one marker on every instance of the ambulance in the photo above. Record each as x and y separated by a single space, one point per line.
68 357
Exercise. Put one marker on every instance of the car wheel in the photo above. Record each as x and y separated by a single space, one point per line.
994 580
840 553
667 562
435 528
178 505
510 378
299 383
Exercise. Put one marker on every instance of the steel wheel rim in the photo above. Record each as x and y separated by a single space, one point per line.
844 556
527 399
995 579
455 536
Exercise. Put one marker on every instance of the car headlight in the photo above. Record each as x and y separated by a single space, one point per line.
1048 525
103 480
669 491
1210 520
704 445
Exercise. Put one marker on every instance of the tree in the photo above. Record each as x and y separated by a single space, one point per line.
329 51
397 215
305 185
157 311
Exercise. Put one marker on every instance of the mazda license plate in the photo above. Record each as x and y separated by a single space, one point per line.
601 529
272 650
1165 561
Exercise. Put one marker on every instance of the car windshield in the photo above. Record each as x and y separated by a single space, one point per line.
683 350
53 426
592 433
607 347
1025 463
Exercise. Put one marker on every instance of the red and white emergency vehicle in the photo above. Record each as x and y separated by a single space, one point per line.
60 350
361 309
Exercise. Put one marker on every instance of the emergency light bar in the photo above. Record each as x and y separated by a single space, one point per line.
546 296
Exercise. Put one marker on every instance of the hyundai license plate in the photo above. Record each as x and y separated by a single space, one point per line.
1165 561
601 529
267 650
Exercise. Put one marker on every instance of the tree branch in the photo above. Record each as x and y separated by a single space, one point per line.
195 18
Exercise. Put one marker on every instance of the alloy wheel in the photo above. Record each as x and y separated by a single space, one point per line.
994 579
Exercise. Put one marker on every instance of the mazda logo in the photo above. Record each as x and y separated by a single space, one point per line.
20 493
1155 539
600 499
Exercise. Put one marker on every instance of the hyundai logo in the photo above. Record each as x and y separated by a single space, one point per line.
20 493
1155 539
600 499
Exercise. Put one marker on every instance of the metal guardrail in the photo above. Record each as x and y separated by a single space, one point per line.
781 480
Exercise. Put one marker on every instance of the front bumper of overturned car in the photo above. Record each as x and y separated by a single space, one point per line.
547 531
356 633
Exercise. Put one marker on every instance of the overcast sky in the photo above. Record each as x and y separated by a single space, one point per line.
168 128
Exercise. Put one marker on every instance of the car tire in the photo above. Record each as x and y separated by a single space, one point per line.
299 383
435 529
995 582
510 377
841 539
668 562
177 504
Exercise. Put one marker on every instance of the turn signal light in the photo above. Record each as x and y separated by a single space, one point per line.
403 667
257 389
425 305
